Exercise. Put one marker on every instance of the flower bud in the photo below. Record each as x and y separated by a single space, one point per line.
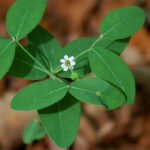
74 75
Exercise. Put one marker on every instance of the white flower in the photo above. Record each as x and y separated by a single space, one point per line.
67 63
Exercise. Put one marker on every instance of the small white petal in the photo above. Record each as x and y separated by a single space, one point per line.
71 58
63 65
62 60
72 63
65 68
66 57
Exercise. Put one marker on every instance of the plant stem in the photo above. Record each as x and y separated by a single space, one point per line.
26 51
84 52
97 40
89 49
59 70
37 118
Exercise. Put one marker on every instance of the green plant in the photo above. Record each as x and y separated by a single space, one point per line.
57 99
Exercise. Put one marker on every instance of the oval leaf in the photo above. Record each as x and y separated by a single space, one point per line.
122 22
98 92
110 67
48 46
61 120
33 131
23 17
39 95
7 53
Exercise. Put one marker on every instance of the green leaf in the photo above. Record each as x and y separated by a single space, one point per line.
41 134
24 67
110 67
122 22
118 46
48 46
61 120
39 95
23 17
97 91
33 131
7 53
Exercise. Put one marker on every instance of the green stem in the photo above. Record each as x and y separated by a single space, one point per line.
89 49
84 52
59 70
97 40
71 70
37 118
59 79
26 51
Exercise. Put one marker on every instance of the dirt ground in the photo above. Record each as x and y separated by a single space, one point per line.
126 128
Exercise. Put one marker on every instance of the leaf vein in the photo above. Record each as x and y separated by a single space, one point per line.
106 64
6 47
23 19
60 120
